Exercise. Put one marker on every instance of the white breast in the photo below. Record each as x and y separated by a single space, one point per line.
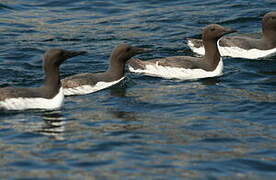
33 103
168 72
236 52
87 89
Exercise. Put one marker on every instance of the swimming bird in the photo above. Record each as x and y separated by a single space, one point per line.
48 96
86 83
243 46
186 67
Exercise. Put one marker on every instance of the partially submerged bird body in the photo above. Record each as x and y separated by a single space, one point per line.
172 68
49 95
87 83
186 67
26 98
244 46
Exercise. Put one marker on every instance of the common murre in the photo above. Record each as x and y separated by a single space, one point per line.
186 67
48 96
86 83
243 46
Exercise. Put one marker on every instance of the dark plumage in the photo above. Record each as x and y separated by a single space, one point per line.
116 70
52 59
266 42
209 62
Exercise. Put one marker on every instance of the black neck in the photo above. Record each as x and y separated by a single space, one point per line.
52 79
116 67
212 55
269 35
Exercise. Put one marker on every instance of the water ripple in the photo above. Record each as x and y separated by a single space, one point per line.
144 127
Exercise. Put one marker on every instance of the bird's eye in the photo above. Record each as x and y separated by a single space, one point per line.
212 29
273 18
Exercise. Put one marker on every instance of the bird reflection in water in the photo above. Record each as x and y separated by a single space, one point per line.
124 122
119 90
54 125
210 81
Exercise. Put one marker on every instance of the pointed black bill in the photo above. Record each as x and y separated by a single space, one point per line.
139 50
70 54
228 31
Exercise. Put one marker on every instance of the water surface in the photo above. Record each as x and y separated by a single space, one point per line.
143 128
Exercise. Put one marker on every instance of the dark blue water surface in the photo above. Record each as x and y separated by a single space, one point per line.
143 128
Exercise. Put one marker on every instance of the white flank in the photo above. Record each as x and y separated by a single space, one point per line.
200 50
87 89
33 103
236 52
168 72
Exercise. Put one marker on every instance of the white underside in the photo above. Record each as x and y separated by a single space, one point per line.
236 52
87 89
168 72
33 103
